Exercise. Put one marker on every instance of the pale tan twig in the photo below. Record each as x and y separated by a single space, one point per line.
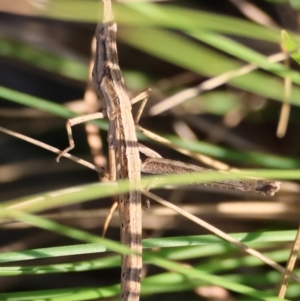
253 13
52 149
159 218
202 158
93 133
219 233
290 265
285 107
109 216
92 106
184 131
209 84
